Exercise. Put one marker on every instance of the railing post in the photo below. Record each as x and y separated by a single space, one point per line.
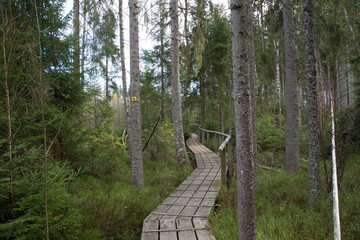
230 165
223 167
199 135
203 137
208 140
215 143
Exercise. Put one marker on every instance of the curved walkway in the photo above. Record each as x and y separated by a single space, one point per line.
184 214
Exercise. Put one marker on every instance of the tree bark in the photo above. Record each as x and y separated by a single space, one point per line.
137 175
42 104
241 24
76 30
8 115
291 92
181 153
277 81
162 35
310 67
123 66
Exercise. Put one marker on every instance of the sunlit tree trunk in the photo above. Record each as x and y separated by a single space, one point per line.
291 91
181 154
241 23
135 145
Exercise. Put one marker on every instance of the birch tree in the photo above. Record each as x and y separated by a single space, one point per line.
291 91
137 175
241 24
181 154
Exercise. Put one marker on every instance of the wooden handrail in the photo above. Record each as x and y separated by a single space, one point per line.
224 177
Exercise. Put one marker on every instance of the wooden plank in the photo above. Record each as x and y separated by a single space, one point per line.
203 211
189 210
185 223
182 201
150 223
162 208
170 200
168 223
203 234
175 209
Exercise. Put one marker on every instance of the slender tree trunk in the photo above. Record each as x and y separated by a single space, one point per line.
310 67
76 30
123 67
107 94
162 35
336 210
8 115
291 92
137 175
83 46
181 153
222 122
187 54
42 103
203 108
277 81
241 37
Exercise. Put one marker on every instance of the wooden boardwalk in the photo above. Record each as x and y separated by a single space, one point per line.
184 214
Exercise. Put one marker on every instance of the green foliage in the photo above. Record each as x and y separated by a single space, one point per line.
162 145
283 208
24 219
270 136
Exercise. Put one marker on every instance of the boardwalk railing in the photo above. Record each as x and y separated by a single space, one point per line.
222 140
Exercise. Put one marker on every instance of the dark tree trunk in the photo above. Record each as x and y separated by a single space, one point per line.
291 92
137 175
181 153
241 23
314 171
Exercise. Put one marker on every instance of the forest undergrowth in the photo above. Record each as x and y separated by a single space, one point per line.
283 208
113 209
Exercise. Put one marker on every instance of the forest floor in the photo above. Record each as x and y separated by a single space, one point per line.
283 209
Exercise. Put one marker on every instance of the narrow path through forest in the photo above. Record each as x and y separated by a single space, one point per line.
184 214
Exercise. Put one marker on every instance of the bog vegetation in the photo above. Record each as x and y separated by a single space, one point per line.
66 142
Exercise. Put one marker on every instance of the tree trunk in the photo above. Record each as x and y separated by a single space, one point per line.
8 116
123 66
137 175
253 79
107 94
222 122
76 30
291 92
83 46
310 67
181 153
162 35
241 32
277 81
42 104
203 107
